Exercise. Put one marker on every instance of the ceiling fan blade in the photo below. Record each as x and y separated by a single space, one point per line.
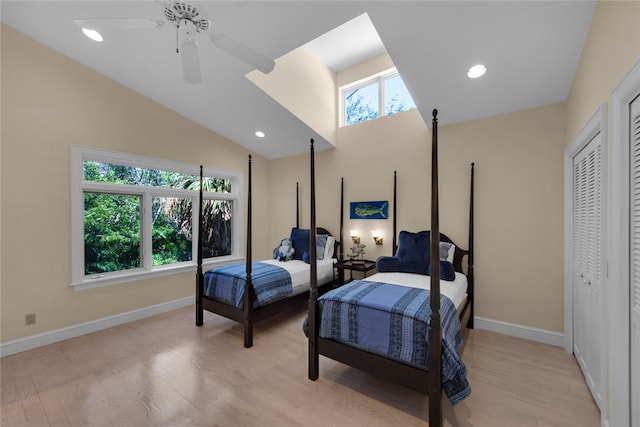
190 62
119 23
243 52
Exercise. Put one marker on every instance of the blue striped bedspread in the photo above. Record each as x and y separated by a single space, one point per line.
393 320
226 284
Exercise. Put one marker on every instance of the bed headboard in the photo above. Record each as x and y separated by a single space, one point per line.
459 253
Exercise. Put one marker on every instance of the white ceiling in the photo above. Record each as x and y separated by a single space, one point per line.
349 44
531 50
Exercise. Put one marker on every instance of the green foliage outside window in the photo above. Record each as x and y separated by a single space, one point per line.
112 222
381 96
111 232
171 230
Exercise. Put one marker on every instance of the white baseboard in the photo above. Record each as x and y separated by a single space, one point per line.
50 337
45 338
526 332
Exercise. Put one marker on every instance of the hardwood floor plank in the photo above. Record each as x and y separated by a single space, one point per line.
164 371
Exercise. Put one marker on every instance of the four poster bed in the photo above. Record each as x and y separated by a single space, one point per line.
252 291
382 325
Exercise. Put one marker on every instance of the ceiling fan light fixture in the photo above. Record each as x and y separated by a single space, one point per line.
476 71
92 34
190 62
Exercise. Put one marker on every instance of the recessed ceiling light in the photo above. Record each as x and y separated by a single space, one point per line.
260 134
92 34
476 71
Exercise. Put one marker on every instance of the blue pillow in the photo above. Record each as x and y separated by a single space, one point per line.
321 241
300 241
387 264
412 256
414 251
446 271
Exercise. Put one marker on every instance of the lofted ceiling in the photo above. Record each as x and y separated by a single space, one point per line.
531 50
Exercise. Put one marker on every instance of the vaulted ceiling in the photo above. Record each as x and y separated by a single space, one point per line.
531 50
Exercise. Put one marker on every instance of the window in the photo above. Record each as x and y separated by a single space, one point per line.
134 217
381 95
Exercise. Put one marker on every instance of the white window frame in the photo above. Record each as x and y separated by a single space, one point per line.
80 154
379 78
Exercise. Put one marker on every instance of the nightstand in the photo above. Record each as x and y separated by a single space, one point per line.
347 264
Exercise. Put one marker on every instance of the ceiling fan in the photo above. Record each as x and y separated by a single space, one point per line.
191 23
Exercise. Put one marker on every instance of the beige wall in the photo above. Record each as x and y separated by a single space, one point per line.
518 196
519 252
611 49
379 63
48 103
303 85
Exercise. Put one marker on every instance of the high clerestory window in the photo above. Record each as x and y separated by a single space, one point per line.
135 217
380 95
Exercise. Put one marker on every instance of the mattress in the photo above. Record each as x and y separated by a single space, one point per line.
455 290
300 272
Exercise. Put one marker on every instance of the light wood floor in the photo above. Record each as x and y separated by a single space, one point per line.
164 371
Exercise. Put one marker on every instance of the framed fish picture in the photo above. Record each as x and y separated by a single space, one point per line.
369 210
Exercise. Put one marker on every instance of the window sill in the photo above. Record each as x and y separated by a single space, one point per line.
101 280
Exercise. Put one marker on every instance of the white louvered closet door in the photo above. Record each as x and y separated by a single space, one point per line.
634 263
588 315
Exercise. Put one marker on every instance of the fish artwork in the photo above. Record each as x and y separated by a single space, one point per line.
369 210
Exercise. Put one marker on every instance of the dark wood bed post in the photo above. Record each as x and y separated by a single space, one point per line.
312 332
297 205
199 275
341 252
435 327
248 288
394 245
470 278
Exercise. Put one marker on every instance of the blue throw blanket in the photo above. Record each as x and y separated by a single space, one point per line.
393 320
227 283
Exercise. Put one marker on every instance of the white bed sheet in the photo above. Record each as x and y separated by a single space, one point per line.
300 272
455 290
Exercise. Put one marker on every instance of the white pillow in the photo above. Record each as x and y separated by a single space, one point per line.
452 252
329 247
447 251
